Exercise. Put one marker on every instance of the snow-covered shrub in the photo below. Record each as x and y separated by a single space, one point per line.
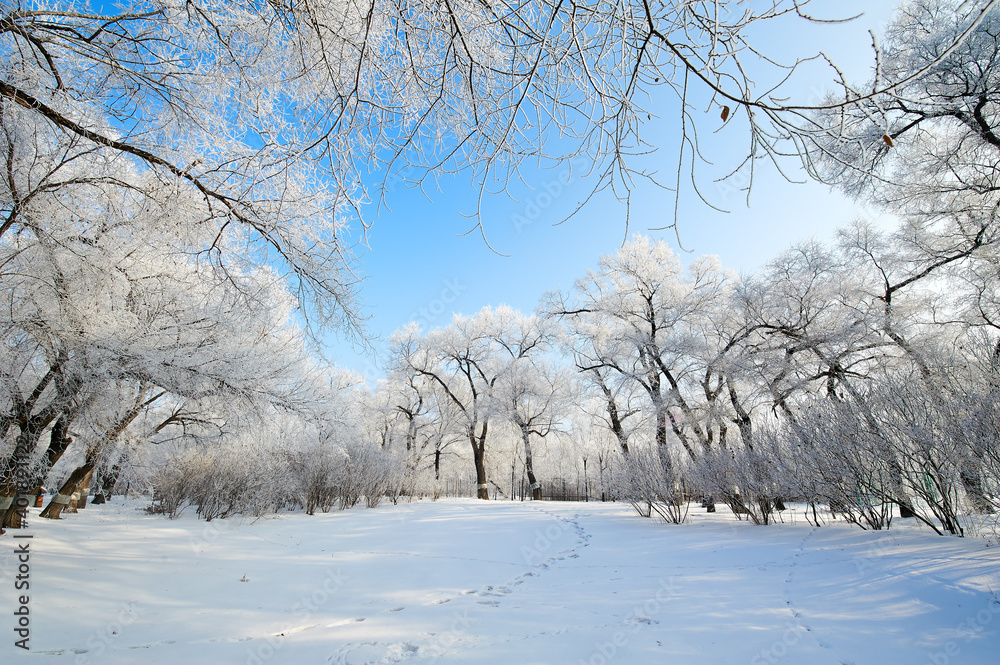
246 480
300 469
221 482
382 473
369 473
845 465
172 485
653 482
979 428
750 479
316 473
922 429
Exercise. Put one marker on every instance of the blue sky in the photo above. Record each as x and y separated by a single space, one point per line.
420 267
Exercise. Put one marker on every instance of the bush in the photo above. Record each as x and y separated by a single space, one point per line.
237 479
653 482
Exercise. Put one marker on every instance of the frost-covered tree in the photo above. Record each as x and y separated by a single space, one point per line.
273 114
642 311
812 330
102 303
921 136
466 360
210 101
410 415
615 400
535 396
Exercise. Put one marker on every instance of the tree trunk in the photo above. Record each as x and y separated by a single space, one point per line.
17 481
84 490
479 457
8 495
411 431
613 415
536 489
15 476
106 484
80 478
662 413
16 508
905 509
972 481
59 441
742 419
72 484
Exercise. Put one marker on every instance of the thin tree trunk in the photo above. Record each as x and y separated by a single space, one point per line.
536 489
742 419
479 455
613 415
15 507
972 481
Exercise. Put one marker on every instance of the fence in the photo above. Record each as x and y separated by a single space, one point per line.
556 489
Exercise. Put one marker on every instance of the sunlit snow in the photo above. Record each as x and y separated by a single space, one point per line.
473 582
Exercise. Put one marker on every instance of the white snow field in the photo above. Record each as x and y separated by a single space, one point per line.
470 582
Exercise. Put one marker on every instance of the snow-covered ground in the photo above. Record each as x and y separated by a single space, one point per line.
466 582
